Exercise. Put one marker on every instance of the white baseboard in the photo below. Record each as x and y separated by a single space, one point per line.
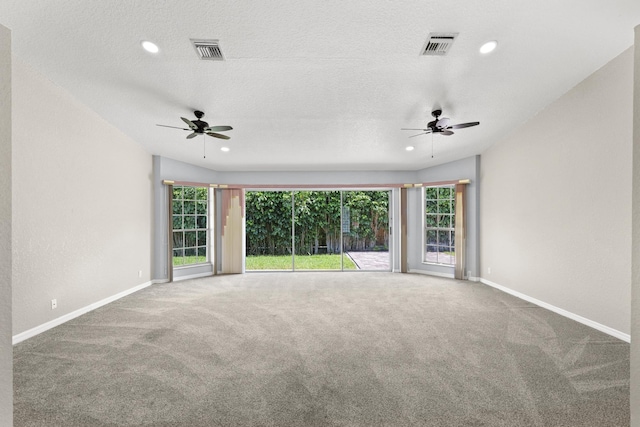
79 312
473 279
433 273
595 325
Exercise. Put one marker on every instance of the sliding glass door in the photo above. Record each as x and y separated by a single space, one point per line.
317 230
268 229
365 229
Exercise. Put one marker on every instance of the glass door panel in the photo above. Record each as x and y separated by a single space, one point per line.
365 230
317 230
268 230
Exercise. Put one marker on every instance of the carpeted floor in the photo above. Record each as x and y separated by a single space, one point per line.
321 349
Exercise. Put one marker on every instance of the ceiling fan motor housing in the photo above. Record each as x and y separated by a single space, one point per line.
201 125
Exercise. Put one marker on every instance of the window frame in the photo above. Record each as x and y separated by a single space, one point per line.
450 230
195 217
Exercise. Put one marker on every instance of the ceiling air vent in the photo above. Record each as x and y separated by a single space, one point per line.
438 44
208 49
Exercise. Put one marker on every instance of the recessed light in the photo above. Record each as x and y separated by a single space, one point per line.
150 47
488 47
410 148
225 149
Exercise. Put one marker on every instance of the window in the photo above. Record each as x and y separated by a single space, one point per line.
190 234
439 225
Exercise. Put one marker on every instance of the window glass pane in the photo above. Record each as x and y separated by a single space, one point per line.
202 253
189 238
177 222
444 221
189 193
444 192
432 221
189 207
190 252
431 193
201 193
431 206
444 238
177 207
177 193
445 256
189 222
178 241
444 206
201 221
431 254
202 238
178 253
432 237
201 207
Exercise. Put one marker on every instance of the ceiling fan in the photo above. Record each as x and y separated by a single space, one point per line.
199 127
441 125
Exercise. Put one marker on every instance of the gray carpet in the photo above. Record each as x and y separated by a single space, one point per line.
321 349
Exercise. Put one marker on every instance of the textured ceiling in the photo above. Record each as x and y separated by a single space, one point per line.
310 85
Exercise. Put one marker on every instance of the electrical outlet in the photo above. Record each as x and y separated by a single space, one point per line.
489 270
54 304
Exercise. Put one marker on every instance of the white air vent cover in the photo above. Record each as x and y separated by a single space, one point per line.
438 44
208 49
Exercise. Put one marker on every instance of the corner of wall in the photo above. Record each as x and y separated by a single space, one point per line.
6 349
635 255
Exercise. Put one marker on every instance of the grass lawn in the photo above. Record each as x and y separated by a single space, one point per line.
178 260
303 262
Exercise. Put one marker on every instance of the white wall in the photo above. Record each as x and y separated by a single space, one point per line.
6 353
635 303
556 201
82 208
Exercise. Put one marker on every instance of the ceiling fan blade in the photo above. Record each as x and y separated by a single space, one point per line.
218 135
446 132
425 130
217 128
190 123
442 123
423 133
192 135
463 125
175 127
